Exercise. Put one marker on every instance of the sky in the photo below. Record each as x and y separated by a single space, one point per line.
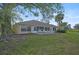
71 14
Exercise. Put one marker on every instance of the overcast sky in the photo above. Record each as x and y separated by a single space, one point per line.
71 14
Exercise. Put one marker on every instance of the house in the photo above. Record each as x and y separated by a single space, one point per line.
34 26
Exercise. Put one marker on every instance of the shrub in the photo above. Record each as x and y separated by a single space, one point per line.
61 31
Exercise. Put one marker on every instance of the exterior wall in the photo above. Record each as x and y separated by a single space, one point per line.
18 30
17 27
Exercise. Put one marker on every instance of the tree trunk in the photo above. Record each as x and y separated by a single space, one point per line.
59 26
3 32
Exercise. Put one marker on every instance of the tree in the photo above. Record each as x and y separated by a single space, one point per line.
9 13
5 18
76 26
56 8
65 26
58 18
68 27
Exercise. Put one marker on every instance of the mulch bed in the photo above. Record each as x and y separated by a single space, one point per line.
14 37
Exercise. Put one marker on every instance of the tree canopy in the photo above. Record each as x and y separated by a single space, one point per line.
45 9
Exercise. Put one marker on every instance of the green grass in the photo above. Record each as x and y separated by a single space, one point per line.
57 44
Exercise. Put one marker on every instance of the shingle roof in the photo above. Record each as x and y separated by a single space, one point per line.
34 23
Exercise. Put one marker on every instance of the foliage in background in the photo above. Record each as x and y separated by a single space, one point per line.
76 26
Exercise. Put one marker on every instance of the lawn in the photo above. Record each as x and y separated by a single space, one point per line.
55 44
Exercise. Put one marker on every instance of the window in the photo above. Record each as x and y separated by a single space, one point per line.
41 28
54 29
38 28
28 28
35 28
23 29
45 28
48 28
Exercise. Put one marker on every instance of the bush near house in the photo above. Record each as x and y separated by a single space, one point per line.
61 31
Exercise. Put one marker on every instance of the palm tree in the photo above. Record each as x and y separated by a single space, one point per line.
58 18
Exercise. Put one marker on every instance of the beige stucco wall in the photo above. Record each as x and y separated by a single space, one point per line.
17 28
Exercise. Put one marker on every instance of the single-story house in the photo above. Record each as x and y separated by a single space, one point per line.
34 26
